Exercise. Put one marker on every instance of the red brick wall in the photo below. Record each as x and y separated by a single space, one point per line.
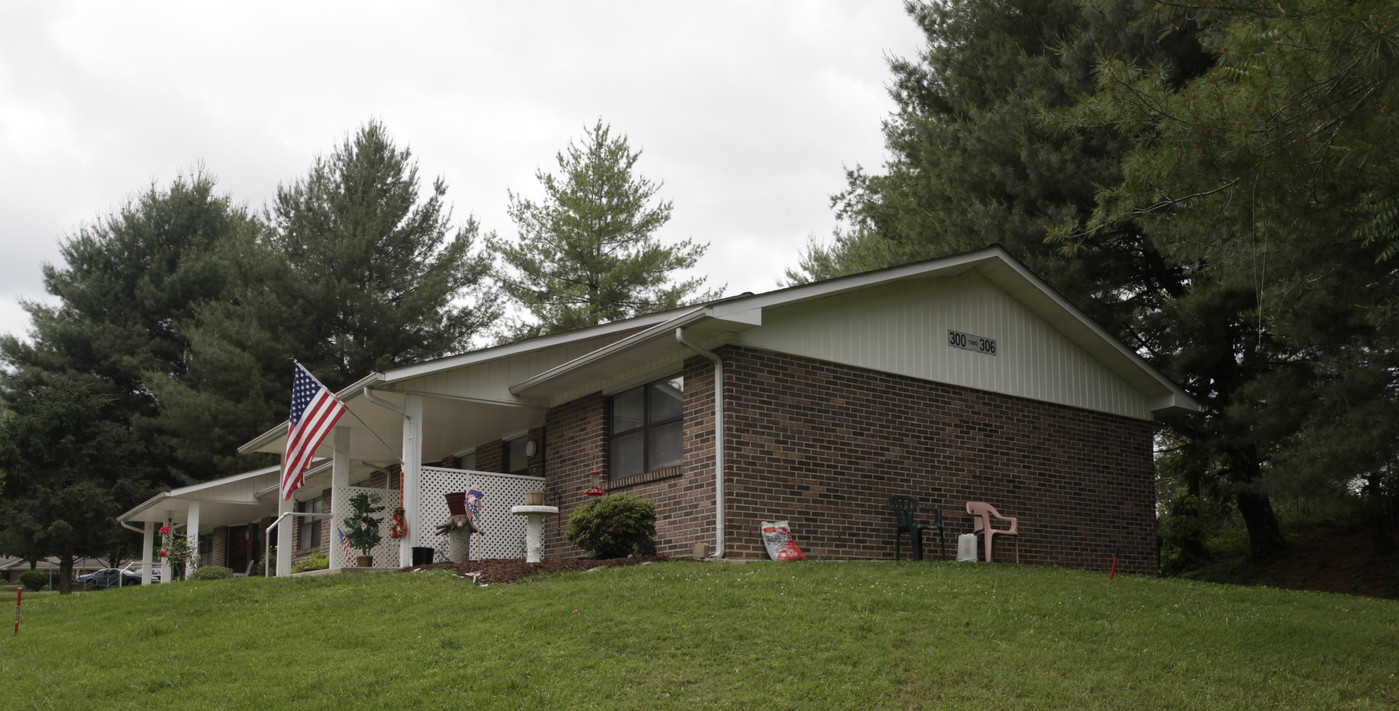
823 446
577 436
219 554
304 549
490 457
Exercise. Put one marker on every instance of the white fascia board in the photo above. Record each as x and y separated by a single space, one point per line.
319 466
1174 403
521 347
740 313
272 435
196 488
662 329
147 504
349 392
806 292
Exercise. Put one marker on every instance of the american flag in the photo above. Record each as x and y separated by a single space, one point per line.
473 501
344 543
314 410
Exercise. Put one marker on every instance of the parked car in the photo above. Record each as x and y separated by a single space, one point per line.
136 571
114 577
109 578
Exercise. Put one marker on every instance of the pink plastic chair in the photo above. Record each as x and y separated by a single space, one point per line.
982 515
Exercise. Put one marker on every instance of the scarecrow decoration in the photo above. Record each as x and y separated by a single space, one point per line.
465 508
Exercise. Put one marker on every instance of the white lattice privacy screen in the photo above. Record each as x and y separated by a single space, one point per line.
386 553
502 533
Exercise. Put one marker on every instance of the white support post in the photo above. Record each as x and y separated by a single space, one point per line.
164 561
147 551
339 481
412 475
284 537
192 538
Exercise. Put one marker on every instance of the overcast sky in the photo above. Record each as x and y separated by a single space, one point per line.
748 112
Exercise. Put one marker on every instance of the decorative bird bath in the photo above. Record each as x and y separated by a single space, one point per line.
534 529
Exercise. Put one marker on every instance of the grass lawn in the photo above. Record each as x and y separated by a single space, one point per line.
706 635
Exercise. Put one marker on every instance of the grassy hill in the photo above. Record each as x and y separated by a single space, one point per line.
707 635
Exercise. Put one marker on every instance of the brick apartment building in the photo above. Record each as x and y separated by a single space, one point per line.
957 379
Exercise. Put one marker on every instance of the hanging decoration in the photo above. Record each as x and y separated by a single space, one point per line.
398 529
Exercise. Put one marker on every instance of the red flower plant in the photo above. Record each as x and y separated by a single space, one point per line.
163 554
164 530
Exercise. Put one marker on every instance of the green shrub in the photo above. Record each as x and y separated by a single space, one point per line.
260 569
211 572
614 526
315 561
33 580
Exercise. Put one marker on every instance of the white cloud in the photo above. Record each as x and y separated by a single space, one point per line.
748 112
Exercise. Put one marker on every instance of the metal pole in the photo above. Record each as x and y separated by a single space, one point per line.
267 536
19 593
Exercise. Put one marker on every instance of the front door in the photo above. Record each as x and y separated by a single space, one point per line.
238 549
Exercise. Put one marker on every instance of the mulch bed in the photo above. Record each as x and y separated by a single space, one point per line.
505 570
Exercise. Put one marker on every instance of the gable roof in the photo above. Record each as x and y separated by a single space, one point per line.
708 324
508 387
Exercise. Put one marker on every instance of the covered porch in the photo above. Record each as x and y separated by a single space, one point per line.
239 500
425 442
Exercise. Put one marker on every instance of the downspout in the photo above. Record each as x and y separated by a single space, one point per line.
718 439
145 565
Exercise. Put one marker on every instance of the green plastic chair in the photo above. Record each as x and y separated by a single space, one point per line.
904 508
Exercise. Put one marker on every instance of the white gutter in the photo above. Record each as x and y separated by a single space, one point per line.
718 438
369 395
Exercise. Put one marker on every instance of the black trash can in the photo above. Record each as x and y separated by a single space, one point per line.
422 555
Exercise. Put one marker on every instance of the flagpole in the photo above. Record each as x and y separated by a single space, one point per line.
376 436
366 426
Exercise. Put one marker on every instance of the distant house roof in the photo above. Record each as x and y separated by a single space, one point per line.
12 565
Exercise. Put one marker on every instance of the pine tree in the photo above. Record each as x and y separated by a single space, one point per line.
1276 169
357 272
76 445
378 273
588 252
980 154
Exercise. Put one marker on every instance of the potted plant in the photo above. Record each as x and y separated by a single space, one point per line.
363 525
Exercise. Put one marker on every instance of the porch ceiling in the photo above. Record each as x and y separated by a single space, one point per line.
449 426
231 501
